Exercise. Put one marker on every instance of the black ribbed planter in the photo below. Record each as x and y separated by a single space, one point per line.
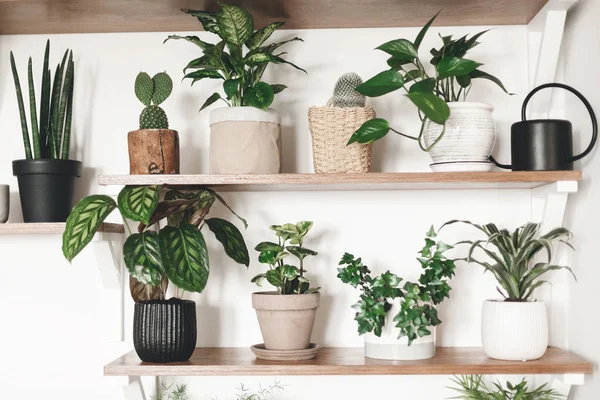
164 330
46 188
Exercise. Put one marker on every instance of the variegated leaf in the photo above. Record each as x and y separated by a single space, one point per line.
231 239
207 19
84 221
236 25
261 35
143 292
192 39
141 252
138 202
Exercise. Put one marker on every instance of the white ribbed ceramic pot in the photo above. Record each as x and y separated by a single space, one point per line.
470 134
514 331
4 203
389 347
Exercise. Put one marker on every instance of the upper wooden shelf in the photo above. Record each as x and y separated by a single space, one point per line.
371 181
50 228
349 361
89 16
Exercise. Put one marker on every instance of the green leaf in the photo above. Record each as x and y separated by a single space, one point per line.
192 39
261 35
279 60
258 279
424 30
288 272
432 106
258 58
231 87
274 278
163 86
278 88
83 222
222 200
144 88
397 63
301 252
204 62
212 99
202 74
207 19
454 66
268 246
401 49
185 257
141 253
464 81
169 208
382 83
138 202
260 96
424 86
231 239
370 131
478 74
235 24
303 227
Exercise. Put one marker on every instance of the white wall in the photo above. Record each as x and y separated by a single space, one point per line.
55 348
581 58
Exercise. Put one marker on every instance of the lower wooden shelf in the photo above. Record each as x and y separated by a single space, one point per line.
349 361
50 228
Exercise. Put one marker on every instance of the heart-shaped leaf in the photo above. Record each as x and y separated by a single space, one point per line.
268 246
236 25
139 202
370 131
400 48
424 86
141 253
464 81
454 66
231 87
260 96
432 106
382 83
301 252
231 239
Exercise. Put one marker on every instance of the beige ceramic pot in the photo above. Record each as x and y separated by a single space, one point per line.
286 321
153 151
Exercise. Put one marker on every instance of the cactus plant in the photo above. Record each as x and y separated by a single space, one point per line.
152 92
51 135
345 94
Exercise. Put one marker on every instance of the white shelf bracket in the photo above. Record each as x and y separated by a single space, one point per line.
135 389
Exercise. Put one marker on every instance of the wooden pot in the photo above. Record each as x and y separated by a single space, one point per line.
153 151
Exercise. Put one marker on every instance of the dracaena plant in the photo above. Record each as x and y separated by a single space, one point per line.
452 81
287 278
51 133
512 256
239 59
176 253
417 300
472 387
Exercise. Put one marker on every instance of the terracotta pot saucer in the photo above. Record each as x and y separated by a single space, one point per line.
285 355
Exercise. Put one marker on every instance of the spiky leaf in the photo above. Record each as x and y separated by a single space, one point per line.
141 253
138 202
231 239
235 24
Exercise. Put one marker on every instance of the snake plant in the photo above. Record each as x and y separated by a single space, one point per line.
51 135
513 263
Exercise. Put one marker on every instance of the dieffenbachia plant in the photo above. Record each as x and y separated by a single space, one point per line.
417 300
51 135
513 261
287 278
453 79
177 252
239 59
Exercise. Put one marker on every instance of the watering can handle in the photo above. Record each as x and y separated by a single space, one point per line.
587 104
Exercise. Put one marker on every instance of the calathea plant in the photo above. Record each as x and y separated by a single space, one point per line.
152 92
239 59
287 278
417 300
177 252
452 81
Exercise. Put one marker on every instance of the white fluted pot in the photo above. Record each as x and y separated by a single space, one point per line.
470 134
514 331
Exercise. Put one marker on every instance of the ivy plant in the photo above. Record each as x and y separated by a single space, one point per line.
452 81
287 278
176 253
239 59
472 387
417 300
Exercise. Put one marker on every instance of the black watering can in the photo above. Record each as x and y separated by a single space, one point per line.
546 144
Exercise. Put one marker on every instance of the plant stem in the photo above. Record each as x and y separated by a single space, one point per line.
403 134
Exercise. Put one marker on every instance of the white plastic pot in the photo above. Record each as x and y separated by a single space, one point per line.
389 347
4 203
469 136
244 140
514 331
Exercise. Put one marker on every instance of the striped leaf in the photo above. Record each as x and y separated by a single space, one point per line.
138 202
231 239
141 252
185 257
84 221
235 24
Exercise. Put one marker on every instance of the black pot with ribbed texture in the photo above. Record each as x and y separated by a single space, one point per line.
164 331
46 188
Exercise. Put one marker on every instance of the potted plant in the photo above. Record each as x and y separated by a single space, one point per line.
154 148
246 137
399 321
164 330
472 387
286 316
519 261
467 128
46 176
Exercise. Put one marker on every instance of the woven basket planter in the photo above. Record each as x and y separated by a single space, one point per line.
331 128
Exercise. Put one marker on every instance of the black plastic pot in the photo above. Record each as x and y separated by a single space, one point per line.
164 331
46 188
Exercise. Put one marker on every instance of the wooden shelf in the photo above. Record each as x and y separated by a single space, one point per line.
50 228
372 181
348 361
80 16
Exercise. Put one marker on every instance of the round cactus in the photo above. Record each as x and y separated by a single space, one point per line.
345 94
154 117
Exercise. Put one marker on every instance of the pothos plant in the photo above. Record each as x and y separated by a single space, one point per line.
239 59
452 81
287 278
176 253
417 300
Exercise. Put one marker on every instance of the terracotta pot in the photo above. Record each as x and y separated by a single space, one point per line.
153 151
286 321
